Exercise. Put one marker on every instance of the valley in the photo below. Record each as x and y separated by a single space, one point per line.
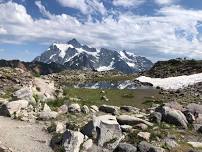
77 110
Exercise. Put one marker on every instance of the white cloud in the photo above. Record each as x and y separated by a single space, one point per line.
85 6
128 3
147 35
165 2
2 30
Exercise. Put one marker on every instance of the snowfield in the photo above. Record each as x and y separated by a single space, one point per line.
173 83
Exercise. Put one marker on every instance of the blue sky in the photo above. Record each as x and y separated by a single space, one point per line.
158 29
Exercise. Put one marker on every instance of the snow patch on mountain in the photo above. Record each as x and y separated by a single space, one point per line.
78 56
173 83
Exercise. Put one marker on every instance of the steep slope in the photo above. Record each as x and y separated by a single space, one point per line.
77 56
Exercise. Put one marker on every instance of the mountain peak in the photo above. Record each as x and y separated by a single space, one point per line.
74 55
74 43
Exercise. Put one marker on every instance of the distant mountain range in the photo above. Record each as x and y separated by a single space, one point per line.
74 55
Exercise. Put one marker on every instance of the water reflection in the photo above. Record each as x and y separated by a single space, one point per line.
111 85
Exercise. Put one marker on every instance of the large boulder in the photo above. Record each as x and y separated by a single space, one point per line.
124 147
72 141
173 116
24 94
131 120
13 107
109 109
45 89
106 130
147 147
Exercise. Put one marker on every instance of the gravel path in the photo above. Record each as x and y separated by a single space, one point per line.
23 137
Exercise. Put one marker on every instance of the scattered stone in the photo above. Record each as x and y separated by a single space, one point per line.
74 99
47 114
147 147
144 135
130 109
126 128
175 105
63 109
173 116
195 108
124 147
87 145
141 126
72 141
24 94
109 109
131 120
74 108
170 143
104 98
60 127
94 108
85 109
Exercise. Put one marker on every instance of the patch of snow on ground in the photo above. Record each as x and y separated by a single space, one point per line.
106 68
173 83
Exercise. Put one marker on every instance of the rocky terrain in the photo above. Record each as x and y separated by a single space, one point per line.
38 114
175 67
74 55
36 68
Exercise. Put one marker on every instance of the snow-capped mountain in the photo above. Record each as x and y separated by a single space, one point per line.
77 56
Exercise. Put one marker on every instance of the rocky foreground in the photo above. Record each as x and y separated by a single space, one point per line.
73 127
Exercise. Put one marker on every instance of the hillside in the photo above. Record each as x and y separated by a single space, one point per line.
34 67
175 67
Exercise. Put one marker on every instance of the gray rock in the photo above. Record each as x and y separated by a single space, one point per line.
13 107
195 108
63 109
72 141
106 130
175 105
173 116
124 147
147 147
24 94
60 127
85 109
109 109
74 108
47 114
170 143
144 135
131 120
94 108
156 117
87 145
130 109
141 126
126 128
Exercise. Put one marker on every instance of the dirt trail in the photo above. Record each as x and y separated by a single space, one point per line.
23 137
